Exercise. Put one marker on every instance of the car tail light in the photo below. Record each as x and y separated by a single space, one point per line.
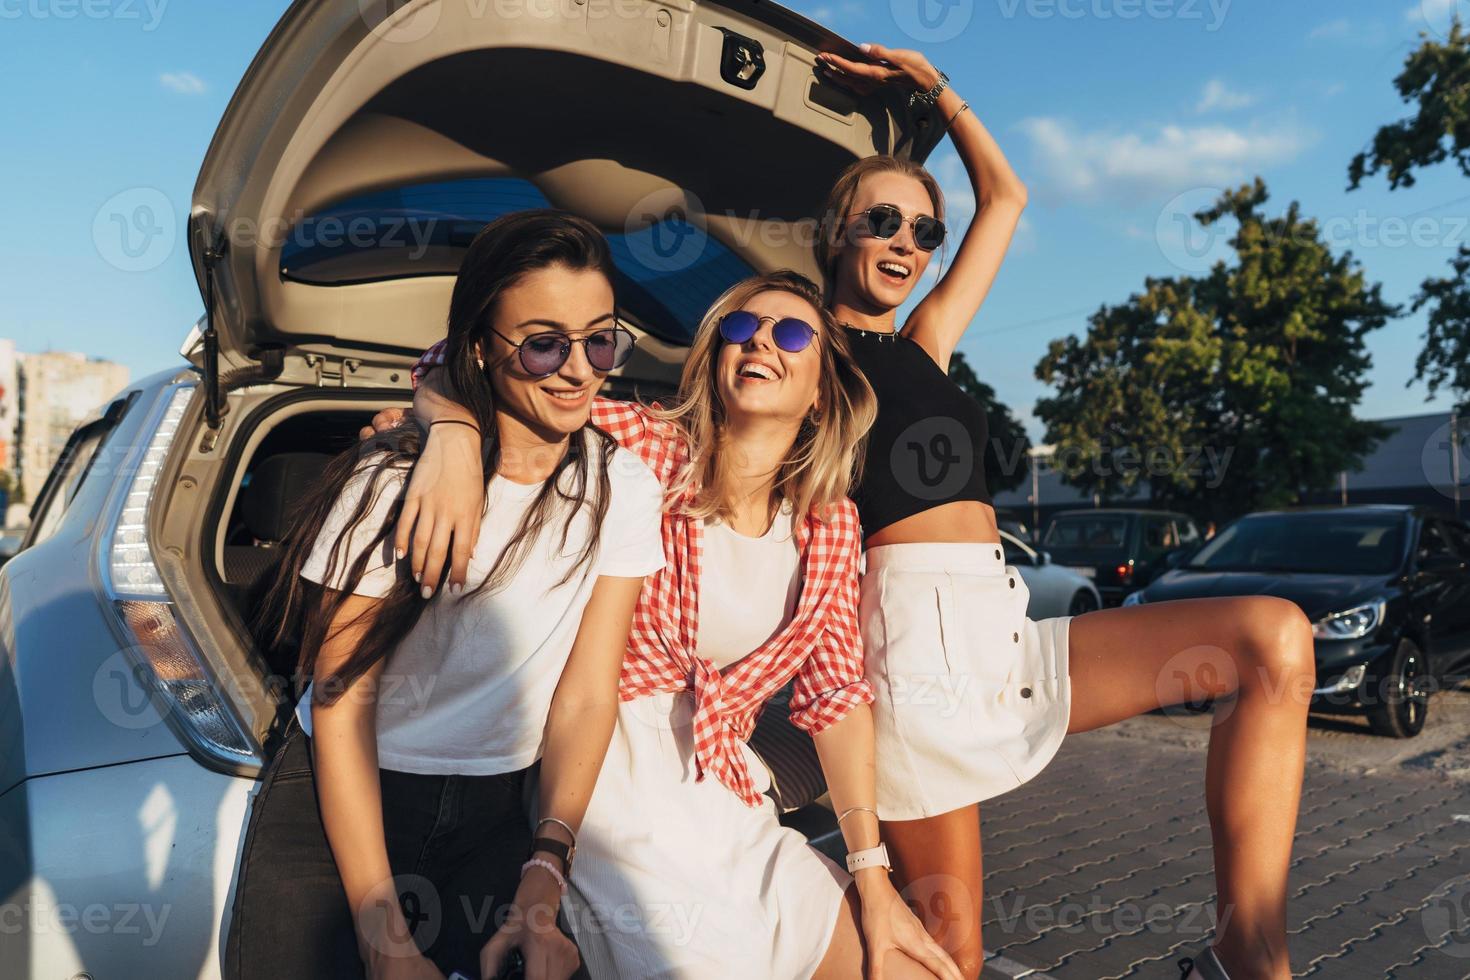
163 653
1125 573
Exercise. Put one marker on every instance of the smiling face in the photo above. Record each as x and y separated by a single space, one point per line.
880 273
757 379
575 302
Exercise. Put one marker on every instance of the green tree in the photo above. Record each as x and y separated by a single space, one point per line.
1005 455
1435 79
1227 392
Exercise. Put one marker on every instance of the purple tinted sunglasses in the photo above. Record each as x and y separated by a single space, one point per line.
543 354
790 334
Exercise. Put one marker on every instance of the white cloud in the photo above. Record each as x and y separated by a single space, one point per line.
1218 95
182 82
1333 29
1136 165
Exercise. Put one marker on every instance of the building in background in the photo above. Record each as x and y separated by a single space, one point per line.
55 391
9 406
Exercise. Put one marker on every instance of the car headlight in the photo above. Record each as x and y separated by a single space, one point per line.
1350 624
1134 598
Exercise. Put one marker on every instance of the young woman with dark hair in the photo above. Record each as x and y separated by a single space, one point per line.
389 837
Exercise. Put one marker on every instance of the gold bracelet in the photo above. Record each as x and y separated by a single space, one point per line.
962 108
854 809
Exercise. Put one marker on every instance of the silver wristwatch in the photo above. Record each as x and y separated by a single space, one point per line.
932 96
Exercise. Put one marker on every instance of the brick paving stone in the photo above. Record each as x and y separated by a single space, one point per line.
1100 867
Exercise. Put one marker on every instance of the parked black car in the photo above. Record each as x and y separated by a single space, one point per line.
1387 589
1120 550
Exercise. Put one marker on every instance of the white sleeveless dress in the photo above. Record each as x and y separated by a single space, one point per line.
675 878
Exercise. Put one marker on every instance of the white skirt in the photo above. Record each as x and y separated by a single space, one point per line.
678 878
972 698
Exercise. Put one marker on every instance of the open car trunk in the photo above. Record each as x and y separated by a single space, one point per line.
362 153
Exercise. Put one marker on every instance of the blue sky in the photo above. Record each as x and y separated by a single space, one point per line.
1117 113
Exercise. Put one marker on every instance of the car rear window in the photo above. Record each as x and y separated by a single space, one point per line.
1328 542
1100 532
668 272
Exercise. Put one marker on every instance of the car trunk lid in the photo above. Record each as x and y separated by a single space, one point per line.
638 115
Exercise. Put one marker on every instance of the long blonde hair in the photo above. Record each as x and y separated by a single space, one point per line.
824 462
844 192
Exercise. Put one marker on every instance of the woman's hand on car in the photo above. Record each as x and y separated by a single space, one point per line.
444 503
890 927
881 66
531 927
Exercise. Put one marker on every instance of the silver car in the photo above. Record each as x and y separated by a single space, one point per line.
1055 589
356 160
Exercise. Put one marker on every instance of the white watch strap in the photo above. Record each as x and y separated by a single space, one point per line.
868 858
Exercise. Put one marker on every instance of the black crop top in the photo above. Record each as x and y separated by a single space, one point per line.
927 446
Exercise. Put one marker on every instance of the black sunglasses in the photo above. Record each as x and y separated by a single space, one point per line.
885 220
543 354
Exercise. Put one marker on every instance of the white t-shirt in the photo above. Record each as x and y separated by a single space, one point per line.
748 588
469 688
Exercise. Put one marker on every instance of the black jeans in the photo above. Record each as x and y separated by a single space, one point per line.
455 845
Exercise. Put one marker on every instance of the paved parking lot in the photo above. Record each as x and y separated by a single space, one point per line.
1101 868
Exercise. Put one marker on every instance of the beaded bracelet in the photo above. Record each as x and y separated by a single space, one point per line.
543 863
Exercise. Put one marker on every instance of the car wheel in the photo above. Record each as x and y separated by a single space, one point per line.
1400 694
1082 602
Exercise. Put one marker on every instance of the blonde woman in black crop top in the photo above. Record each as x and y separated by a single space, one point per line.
975 697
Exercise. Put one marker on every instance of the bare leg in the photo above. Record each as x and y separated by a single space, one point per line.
1255 654
845 958
937 869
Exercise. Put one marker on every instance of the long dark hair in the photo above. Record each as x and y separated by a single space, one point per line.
296 609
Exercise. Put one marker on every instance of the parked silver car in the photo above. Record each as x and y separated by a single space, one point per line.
354 163
1055 589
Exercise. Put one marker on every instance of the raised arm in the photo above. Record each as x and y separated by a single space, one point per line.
941 318
345 758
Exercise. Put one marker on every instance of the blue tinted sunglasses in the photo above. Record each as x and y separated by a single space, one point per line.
790 334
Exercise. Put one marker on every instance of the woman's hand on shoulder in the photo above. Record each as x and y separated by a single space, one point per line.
443 508
880 66
385 421
890 927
